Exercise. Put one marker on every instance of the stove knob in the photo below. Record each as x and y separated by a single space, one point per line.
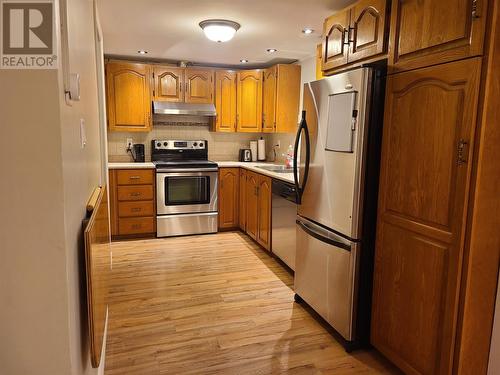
195 144
165 144
158 145
201 144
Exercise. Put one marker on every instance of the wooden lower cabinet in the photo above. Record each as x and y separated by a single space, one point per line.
229 181
264 191
132 194
243 200
251 204
429 125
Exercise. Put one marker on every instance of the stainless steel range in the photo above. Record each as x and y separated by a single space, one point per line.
186 188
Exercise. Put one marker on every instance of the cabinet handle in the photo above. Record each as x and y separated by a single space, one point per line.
136 226
348 31
475 13
135 194
136 209
462 151
186 88
135 177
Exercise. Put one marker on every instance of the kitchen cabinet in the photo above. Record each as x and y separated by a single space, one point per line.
132 197
251 204
243 200
319 53
264 191
128 87
281 91
355 34
426 33
199 85
429 125
168 83
225 100
229 180
249 101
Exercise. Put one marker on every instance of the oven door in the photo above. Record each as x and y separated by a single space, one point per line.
179 192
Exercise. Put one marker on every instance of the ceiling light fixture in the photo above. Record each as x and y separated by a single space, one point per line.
271 50
308 30
142 52
243 61
219 30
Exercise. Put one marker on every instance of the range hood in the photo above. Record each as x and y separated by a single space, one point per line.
194 109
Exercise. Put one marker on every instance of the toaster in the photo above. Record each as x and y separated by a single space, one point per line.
245 154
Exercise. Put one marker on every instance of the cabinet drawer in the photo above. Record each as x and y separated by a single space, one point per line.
135 193
134 177
136 225
139 208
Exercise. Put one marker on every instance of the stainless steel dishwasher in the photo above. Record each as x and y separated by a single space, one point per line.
284 205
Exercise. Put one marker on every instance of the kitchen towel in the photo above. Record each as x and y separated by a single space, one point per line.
261 149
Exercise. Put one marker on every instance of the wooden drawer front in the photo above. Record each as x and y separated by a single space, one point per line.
136 225
135 193
135 177
139 208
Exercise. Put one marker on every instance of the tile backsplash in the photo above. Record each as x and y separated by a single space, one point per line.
221 146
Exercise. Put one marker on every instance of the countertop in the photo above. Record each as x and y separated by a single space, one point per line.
252 166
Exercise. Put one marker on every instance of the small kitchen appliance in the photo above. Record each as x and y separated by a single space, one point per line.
245 154
138 153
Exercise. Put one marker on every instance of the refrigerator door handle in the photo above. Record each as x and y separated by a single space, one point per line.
309 229
302 126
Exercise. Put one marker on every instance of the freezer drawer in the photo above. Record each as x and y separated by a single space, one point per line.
184 224
326 275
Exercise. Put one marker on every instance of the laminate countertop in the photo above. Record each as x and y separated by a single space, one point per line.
251 166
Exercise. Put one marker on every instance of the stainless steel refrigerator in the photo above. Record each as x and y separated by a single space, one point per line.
336 177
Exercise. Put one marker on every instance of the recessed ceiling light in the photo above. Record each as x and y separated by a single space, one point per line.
271 50
142 52
243 61
307 30
219 30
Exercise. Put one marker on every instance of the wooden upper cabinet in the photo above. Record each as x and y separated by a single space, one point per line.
252 183
264 191
425 33
199 85
225 100
249 101
229 179
335 47
269 89
129 96
426 162
168 83
319 55
368 29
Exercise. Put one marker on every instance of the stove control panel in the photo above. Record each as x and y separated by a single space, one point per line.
161 144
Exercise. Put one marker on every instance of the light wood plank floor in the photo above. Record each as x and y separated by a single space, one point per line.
215 304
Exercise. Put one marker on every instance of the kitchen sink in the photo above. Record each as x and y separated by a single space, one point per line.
276 168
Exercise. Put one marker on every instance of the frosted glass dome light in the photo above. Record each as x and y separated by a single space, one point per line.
219 30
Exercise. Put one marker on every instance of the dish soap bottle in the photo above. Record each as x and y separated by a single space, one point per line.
289 157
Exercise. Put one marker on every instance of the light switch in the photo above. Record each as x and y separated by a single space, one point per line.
83 134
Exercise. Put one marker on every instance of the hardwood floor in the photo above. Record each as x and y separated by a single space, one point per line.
215 304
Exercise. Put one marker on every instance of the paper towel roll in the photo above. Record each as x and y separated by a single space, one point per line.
261 152
253 148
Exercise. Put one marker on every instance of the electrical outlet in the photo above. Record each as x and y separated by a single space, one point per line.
130 143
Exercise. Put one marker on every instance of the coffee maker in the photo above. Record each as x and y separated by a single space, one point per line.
138 153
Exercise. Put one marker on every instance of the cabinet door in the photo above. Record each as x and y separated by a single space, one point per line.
225 100
425 33
287 98
129 96
168 83
425 174
113 202
269 99
334 44
249 102
319 54
199 85
264 211
243 199
251 204
229 179
368 29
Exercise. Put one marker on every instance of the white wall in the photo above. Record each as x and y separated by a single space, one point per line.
46 181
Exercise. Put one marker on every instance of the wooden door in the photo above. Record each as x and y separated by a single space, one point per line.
168 83
249 101
129 96
229 179
264 191
425 33
335 47
287 98
243 199
430 115
199 85
225 100
269 99
251 204
368 29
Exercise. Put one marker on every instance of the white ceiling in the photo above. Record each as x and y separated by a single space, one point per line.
168 29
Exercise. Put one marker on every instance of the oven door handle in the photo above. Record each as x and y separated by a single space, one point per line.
194 170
